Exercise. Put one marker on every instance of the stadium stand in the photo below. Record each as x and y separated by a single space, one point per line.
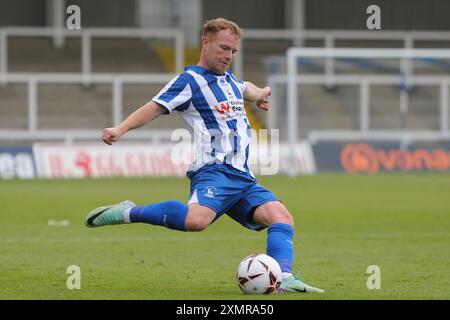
63 106
108 55
337 107
73 106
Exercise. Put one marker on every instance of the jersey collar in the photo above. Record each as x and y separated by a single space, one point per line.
202 70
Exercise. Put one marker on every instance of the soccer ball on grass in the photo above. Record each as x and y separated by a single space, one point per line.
258 273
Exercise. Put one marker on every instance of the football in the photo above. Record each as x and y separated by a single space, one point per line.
258 273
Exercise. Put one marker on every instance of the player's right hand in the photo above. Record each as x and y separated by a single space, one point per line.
111 135
263 101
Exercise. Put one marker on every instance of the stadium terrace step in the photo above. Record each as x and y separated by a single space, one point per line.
108 55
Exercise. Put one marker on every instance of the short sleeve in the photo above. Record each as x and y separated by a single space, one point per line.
176 95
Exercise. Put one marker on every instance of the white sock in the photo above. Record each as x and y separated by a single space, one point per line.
285 275
126 215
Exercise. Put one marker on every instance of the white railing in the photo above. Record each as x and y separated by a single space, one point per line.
86 35
33 132
363 82
406 39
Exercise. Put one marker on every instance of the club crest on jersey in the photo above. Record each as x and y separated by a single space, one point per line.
224 108
210 192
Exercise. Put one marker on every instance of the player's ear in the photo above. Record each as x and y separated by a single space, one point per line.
205 40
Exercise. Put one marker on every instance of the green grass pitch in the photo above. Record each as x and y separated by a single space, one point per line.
343 225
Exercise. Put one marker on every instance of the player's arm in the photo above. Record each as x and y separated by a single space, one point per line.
148 112
259 95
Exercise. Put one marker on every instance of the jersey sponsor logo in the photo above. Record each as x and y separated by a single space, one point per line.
224 108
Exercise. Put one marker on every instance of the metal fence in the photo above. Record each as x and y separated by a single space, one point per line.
117 81
87 35
364 82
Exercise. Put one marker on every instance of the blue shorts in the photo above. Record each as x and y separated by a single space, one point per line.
227 190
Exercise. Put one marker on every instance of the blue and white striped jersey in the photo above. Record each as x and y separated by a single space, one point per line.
213 107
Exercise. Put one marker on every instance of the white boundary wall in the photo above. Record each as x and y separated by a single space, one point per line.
101 161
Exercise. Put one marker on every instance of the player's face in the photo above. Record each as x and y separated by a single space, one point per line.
220 49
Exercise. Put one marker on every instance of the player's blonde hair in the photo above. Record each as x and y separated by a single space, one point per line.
218 24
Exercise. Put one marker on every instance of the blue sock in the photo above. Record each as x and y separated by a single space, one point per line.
171 214
280 245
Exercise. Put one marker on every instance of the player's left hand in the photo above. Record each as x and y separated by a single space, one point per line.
263 102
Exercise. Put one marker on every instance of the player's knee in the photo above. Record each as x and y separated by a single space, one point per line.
287 218
196 224
281 217
271 213
198 218
280 214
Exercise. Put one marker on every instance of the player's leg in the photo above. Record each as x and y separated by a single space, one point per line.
171 214
280 243
258 209
213 191
174 215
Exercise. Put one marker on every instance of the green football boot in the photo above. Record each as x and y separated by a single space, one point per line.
294 284
108 215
